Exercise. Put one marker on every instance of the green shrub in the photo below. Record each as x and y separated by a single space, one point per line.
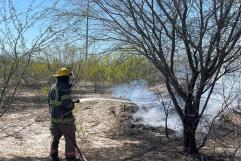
44 90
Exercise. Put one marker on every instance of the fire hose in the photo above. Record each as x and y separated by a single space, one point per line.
75 144
73 140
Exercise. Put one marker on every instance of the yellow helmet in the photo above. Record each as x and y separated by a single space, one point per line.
63 72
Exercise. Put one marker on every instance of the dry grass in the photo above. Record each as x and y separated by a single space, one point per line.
105 133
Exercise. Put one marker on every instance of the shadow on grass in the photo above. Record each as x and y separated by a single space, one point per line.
132 154
16 158
141 146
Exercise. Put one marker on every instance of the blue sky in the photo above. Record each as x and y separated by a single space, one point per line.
22 6
26 11
40 5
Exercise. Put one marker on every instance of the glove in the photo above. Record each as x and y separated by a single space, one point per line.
76 101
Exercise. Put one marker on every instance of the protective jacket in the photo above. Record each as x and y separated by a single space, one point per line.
61 103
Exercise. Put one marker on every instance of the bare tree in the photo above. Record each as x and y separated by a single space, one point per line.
20 41
193 43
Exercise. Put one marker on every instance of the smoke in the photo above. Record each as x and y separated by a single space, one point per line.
225 96
151 109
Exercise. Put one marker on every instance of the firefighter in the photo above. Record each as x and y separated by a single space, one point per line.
62 118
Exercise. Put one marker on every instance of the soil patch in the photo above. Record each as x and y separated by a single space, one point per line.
105 132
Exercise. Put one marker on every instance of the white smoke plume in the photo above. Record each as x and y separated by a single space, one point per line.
151 110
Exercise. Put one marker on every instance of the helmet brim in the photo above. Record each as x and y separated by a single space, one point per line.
56 75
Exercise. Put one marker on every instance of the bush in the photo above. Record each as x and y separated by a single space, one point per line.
44 90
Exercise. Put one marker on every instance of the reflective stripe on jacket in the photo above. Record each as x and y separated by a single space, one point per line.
61 104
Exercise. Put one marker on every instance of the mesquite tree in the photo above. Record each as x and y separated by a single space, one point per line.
20 41
193 43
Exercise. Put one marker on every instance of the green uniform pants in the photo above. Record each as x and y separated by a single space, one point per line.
68 131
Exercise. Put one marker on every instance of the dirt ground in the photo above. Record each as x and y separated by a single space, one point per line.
105 132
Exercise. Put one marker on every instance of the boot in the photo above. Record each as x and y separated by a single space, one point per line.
72 159
55 159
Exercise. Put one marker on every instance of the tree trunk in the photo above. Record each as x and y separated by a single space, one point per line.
166 126
190 146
